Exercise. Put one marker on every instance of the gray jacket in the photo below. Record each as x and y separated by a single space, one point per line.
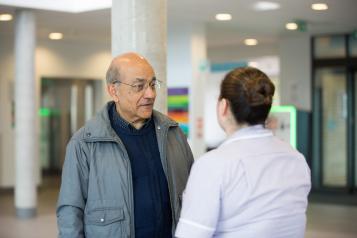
96 196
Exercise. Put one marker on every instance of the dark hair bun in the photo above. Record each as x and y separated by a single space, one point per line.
250 93
261 93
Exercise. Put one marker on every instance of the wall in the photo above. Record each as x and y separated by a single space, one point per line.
238 53
187 67
265 55
53 59
179 65
295 75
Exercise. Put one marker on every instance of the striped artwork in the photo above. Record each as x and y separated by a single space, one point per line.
178 107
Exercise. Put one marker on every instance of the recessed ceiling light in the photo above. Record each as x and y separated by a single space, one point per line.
223 17
5 17
266 6
291 26
55 36
253 64
319 6
250 42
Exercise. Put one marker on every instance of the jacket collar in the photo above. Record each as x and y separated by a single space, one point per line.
99 128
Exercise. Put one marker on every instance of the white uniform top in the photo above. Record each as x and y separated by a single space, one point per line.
252 186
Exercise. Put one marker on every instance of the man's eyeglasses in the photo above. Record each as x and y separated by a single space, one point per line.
141 87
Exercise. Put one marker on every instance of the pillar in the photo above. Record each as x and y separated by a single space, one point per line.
140 26
25 121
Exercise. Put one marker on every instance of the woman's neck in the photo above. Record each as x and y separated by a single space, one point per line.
232 127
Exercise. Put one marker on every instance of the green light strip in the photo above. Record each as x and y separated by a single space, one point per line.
293 120
44 112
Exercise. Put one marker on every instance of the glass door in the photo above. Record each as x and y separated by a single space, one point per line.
334 114
331 137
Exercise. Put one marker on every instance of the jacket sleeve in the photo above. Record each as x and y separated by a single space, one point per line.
73 192
188 152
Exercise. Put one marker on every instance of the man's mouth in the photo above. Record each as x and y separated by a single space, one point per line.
147 105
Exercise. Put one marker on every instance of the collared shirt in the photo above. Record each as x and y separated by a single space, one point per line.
152 210
253 185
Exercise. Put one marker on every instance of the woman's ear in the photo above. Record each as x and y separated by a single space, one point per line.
222 108
222 112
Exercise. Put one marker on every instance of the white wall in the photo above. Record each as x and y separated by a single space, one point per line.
187 67
179 63
237 53
295 76
214 135
53 59
265 55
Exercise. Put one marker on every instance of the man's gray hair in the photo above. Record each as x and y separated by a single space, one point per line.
112 74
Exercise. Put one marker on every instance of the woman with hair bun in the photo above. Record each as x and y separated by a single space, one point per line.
253 185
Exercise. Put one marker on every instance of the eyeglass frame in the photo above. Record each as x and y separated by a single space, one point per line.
157 84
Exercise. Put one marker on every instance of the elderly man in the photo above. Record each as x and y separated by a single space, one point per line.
126 169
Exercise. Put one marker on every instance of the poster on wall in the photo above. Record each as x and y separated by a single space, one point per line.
282 121
178 107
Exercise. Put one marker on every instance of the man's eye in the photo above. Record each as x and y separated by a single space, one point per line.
140 87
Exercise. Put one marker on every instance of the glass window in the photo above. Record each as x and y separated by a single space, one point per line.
332 85
353 45
330 47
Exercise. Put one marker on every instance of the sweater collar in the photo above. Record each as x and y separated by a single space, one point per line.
99 127
118 122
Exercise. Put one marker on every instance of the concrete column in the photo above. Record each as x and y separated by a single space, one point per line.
140 26
25 121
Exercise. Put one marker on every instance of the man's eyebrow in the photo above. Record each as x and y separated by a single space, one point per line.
144 80
139 80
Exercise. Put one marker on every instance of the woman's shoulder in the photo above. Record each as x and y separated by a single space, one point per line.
217 159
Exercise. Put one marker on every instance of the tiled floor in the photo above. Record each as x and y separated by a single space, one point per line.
324 221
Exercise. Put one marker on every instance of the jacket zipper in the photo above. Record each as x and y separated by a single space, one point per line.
163 146
130 190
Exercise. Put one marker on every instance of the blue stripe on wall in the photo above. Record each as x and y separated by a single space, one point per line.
227 66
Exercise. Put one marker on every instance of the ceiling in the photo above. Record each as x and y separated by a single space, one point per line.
266 26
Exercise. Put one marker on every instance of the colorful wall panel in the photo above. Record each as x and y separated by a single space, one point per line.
178 107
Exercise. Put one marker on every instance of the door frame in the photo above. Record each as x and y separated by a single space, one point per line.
348 63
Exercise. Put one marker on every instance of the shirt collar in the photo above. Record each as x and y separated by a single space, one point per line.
256 131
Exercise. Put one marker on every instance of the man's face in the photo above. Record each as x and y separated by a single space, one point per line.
135 103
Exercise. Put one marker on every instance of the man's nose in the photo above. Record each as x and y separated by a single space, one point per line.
149 92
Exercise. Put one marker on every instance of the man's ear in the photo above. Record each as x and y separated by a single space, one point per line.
113 92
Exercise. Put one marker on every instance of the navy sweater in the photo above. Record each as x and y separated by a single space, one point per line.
152 209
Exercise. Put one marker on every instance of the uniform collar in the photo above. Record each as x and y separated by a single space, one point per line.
256 131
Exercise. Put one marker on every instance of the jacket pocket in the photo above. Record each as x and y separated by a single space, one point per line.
105 218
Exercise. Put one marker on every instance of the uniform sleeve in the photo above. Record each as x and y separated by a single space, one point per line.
201 201
73 192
